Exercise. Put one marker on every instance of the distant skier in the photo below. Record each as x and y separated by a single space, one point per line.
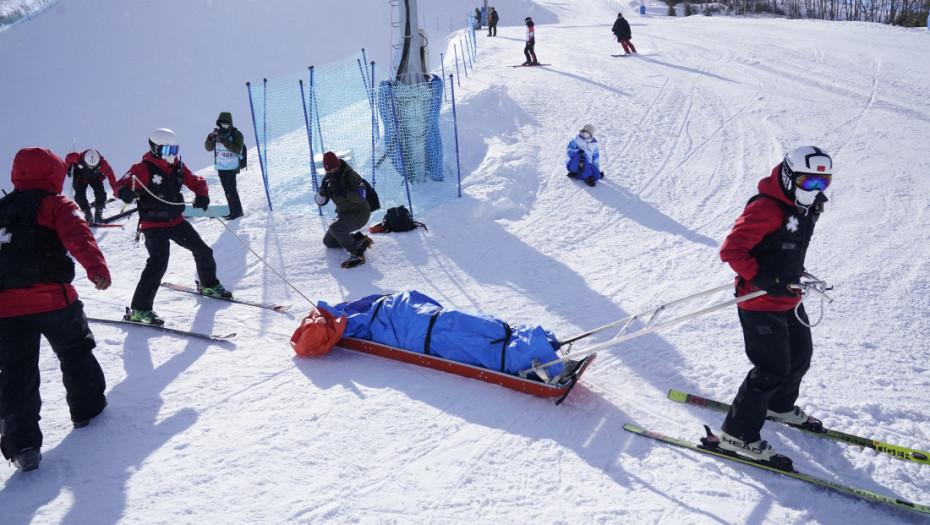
89 168
529 49
39 228
347 191
225 141
492 22
766 248
156 182
477 18
583 158
623 33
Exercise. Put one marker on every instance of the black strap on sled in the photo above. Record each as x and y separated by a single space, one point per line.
429 331
507 333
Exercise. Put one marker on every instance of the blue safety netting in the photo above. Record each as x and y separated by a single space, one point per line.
401 138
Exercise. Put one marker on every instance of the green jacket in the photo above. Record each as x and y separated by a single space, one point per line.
342 188
232 138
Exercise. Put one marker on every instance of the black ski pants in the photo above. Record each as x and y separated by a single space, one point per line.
228 180
67 333
529 51
339 233
492 28
80 194
158 243
780 348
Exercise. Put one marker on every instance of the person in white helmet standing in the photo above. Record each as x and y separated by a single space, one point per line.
767 247
89 168
156 183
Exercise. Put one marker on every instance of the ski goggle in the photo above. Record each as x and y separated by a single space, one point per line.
813 181
169 150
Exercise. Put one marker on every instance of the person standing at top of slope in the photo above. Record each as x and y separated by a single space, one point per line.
583 158
623 33
38 228
766 248
156 182
492 22
347 191
225 141
89 168
529 50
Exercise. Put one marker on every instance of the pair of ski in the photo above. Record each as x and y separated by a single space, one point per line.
708 445
187 333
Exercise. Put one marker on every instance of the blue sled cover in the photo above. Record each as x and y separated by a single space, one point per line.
412 321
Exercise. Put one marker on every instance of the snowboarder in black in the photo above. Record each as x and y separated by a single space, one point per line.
766 248
621 30
347 191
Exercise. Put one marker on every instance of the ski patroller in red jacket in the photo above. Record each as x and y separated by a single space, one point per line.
761 217
103 170
140 180
41 169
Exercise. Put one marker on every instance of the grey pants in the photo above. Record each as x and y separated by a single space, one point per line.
339 234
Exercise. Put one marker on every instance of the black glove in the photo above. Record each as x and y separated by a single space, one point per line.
126 195
202 202
212 136
774 286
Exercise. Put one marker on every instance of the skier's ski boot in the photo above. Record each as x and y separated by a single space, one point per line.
143 316
355 260
525 63
98 216
88 216
84 422
758 451
798 419
571 175
27 459
590 182
217 291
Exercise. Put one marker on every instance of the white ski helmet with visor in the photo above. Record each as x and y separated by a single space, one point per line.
805 172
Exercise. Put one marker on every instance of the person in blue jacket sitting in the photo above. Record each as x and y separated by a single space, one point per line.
583 159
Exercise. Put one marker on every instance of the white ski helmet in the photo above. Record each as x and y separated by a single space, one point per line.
91 158
589 129
806 160
164 144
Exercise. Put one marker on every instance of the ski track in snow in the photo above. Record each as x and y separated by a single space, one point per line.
249 433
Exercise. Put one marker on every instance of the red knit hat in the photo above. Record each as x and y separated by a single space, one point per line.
330 161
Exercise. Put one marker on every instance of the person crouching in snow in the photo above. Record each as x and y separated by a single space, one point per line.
583 158
345 187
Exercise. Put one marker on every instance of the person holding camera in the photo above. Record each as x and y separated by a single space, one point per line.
347 191
156 183
225 141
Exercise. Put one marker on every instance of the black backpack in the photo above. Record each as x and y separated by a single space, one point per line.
398 219
244 157
371 196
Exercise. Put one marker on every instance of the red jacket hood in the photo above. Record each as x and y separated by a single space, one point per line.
771 186
38 169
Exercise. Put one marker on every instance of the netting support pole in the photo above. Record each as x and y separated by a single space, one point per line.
442 65
261 149
374 121
464 60
455 127
454 49
400 147
308 118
